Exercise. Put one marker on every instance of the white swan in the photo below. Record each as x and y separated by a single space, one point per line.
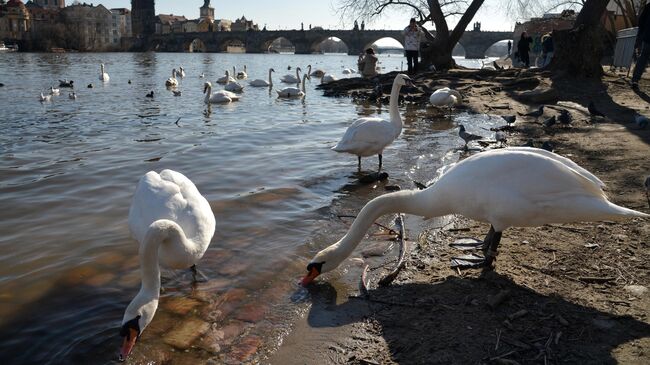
44 98
308 73
263 83
174 224
226 79
369 136
293 92
290 79
181 72
445 97
327 79
234 86
347 71
528 187
54 91
219 97
242 75
103 76
172 82
318 73
202 75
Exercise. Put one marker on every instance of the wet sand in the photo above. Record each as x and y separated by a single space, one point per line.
574 293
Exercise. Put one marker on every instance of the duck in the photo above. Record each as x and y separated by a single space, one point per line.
327 79
54 91
445 97
44 98
202 75
529 187
103 76
219 97
225 79
181 72
290 79
369 136
72 95
242 75
173 224
262 83
172 82
234 86
293 92
66 83
150 94
318 73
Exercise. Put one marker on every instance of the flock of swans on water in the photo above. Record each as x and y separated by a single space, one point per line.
507 187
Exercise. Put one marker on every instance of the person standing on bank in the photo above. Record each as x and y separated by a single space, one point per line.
368 64
642 44
523 47
412 36
509 46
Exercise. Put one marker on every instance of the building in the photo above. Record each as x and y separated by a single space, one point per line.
50 4
243 24
143 18
222 25
47 29
88 27
618 17
121 26
15 21
169 23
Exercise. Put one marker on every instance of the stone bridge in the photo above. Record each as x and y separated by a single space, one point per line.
305 42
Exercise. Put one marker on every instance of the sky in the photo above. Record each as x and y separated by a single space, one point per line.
288 14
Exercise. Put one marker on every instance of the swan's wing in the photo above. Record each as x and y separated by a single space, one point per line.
367 133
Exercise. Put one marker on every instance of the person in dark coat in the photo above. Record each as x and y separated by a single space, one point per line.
523 47
642 43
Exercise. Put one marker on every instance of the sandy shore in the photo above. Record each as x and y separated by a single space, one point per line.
574 293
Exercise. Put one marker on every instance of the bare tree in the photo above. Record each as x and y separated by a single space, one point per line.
437 12
526 9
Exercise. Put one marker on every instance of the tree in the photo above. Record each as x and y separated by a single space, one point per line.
435 11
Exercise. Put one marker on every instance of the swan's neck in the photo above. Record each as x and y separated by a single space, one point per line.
233 70
409 202
304 78
159 231
270 82
297 75
208 93
395 117
102 67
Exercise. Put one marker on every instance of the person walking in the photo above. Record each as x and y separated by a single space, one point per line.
367 63
523 47
642 43
509 46
412 37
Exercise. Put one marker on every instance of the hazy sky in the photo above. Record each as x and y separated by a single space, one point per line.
287 14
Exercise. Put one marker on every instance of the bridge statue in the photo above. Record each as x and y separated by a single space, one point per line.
206 3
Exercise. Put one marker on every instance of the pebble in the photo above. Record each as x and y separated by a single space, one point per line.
180 305
636 290
232 331
210 342
182 336
246 348
253 312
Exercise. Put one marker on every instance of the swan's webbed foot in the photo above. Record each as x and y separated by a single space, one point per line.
196 273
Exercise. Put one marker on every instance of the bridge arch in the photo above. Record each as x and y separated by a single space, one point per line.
196 45
499 48
387 43
459 50
330 45
278 45
228 44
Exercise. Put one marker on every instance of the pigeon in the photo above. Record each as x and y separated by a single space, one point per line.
641 121
72 95
501 137
547 146
647 189
176 92
537 113
528 143
510 119
90 86
150 95
66 83
549 122
467 137
593 110
565 117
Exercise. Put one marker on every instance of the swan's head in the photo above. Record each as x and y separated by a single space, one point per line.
272 70
137 317
403 80
326 260
298 69
207 86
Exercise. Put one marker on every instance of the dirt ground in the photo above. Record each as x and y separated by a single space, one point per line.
560 294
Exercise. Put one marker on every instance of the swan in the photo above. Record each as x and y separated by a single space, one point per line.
54 91
173 224
293 92
72 95
262 83
172 82
327 79
369 136
528 187
181 72
219 97
290 79
66 83
318 73
44 98
225 79
234 86
308 72
242 75
445 97
347 71
103 76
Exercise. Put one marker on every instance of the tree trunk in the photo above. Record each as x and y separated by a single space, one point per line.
578 51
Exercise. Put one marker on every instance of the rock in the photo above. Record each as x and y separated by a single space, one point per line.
636 290
180 305
210 342
182 336
246 348
539 95
232 331
253 312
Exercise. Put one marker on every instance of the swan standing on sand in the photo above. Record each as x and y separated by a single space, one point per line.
293 92
263 83
369 136
174 224
219 97
290 79
172 82
242 75
225 79
103 76
525 187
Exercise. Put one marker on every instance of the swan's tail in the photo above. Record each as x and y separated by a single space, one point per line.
619 212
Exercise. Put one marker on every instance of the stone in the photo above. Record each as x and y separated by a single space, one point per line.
232 331
539 95
180 305
182 336
253 312
246 348
636 290
211 341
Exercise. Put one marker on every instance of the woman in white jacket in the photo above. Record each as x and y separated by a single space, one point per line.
412 36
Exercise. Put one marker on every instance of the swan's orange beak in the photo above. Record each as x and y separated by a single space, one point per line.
313 273
129 342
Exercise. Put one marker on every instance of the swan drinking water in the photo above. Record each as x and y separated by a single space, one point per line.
369 136
293 92
290 79
173 224
528 187
103 76
263 83
219 97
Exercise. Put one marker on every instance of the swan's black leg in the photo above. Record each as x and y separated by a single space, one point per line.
359 168
195 273
491 250
489 247
380 157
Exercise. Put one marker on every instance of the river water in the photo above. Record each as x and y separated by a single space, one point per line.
68 266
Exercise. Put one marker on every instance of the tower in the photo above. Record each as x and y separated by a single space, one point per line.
143 18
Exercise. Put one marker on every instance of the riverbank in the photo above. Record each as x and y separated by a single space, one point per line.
575 293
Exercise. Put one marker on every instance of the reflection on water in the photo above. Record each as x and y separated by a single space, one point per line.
68 267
